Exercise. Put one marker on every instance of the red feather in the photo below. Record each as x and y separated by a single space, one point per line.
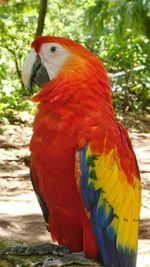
73 109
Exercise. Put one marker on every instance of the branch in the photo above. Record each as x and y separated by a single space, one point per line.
16 63
41 18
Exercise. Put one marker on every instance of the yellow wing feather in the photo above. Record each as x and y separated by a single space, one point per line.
124 198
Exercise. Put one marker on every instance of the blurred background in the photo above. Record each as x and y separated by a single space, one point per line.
118 32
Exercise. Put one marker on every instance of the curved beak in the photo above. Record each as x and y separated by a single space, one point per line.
33 71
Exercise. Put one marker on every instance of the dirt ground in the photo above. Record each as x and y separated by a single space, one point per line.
20 214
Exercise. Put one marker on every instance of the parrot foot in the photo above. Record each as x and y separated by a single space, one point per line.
78 258
36 249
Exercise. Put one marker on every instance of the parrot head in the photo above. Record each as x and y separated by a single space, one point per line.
52 57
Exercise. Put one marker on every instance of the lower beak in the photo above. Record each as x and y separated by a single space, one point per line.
34 72
39 74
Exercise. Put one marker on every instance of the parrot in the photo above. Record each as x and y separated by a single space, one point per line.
83 166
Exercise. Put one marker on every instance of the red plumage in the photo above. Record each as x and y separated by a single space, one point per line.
73 111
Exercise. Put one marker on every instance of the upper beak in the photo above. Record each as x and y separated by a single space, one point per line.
33 71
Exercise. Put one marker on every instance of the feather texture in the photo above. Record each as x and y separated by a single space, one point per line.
113 204
83 164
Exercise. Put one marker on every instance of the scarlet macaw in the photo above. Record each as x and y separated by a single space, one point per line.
83 166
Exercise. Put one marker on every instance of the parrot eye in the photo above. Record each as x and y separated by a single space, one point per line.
53 49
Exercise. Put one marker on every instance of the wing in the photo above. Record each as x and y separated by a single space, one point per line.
34 180
111 193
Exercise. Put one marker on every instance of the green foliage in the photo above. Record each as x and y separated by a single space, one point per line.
18 23
116 31
121 39
131 90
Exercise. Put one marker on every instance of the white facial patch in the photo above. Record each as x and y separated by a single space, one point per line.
53 56
27 67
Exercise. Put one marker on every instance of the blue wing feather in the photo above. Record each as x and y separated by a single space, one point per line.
97 205
90 198
87 192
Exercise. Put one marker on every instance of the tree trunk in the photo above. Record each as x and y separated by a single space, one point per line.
41 18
